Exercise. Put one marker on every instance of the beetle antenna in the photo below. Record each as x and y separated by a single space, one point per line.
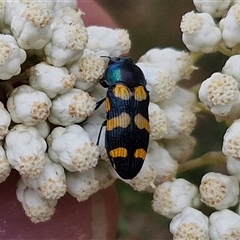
106 57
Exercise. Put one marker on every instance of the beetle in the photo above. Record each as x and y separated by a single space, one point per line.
127 120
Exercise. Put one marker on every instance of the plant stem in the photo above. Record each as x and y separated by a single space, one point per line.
211 158
224 51
196 56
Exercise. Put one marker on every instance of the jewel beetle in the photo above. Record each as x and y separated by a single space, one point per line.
127 120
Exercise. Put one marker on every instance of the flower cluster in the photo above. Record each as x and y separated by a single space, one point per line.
51 65
50 70
214 26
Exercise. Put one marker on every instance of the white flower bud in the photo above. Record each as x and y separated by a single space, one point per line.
108 42
50 4
102 174
233 167
99 92
82 185
71 107
230 27
43 128
31 26
51 80
71 146
231 68
5 121
36 208
28 106
220 93
160 159
67 15
170 198
180 148
12 8
11 57
224 224
218 190
144 181
200 33
92 126
231 140
88 70
183 97
69 48
2 13
61 4
214 8
5 167
51 183
190 224
159 82
25 150
181 120
158 121
178 64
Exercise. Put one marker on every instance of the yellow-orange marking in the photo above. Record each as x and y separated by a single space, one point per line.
118 152
122 120
107 104
140 93
122 92
141 122
140 153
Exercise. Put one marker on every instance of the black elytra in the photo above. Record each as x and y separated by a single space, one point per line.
127 120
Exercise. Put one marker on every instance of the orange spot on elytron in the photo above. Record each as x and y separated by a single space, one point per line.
141 122
118 152
107 104
140 153
122 92
140 93
122 120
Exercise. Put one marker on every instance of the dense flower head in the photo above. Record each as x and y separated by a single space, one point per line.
51 66
53 133
214 26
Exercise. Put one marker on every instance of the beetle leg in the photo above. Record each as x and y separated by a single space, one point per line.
99 103
100 131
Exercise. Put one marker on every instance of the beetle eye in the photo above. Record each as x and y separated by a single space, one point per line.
103 83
